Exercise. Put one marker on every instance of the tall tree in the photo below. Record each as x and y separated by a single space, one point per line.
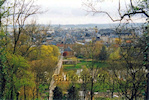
57 93
132 64
91 51
85 75
18 14
21 11
43 60
2 65
128 70
32 35
17 68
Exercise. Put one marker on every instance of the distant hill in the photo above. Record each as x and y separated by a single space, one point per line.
100 26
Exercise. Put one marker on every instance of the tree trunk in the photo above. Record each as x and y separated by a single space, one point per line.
37 86
0 19
92 93
24 93
37 90
112 90
18 95
84 94
147 90
33 94
2 81
11 88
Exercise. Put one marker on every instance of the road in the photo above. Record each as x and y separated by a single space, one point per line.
56 72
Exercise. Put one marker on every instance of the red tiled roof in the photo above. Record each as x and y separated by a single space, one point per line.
60 45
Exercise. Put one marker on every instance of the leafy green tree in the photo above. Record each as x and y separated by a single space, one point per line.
73 93
2 74
17 68
44 90
85 75
77 48
72 75
57 93
15 72
43 60
115 55
32 35
55 51
128 71
2 65
103 54
91 51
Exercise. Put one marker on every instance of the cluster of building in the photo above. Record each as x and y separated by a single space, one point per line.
65 38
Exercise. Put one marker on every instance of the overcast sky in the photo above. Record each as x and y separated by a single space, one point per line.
72 12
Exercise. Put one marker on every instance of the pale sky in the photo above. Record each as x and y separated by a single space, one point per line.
72 12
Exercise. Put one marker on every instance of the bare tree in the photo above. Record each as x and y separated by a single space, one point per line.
21 11
18 14
132 8
92 50
129 72
131 55
1 3
126 10
32 35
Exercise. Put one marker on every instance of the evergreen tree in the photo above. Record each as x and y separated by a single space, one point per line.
73 93
57 93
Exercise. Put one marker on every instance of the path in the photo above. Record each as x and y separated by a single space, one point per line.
57 71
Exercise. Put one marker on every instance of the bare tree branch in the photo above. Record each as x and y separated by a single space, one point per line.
131 11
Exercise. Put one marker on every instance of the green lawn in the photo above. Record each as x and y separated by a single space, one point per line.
104 98
84 63
95 64
71 67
